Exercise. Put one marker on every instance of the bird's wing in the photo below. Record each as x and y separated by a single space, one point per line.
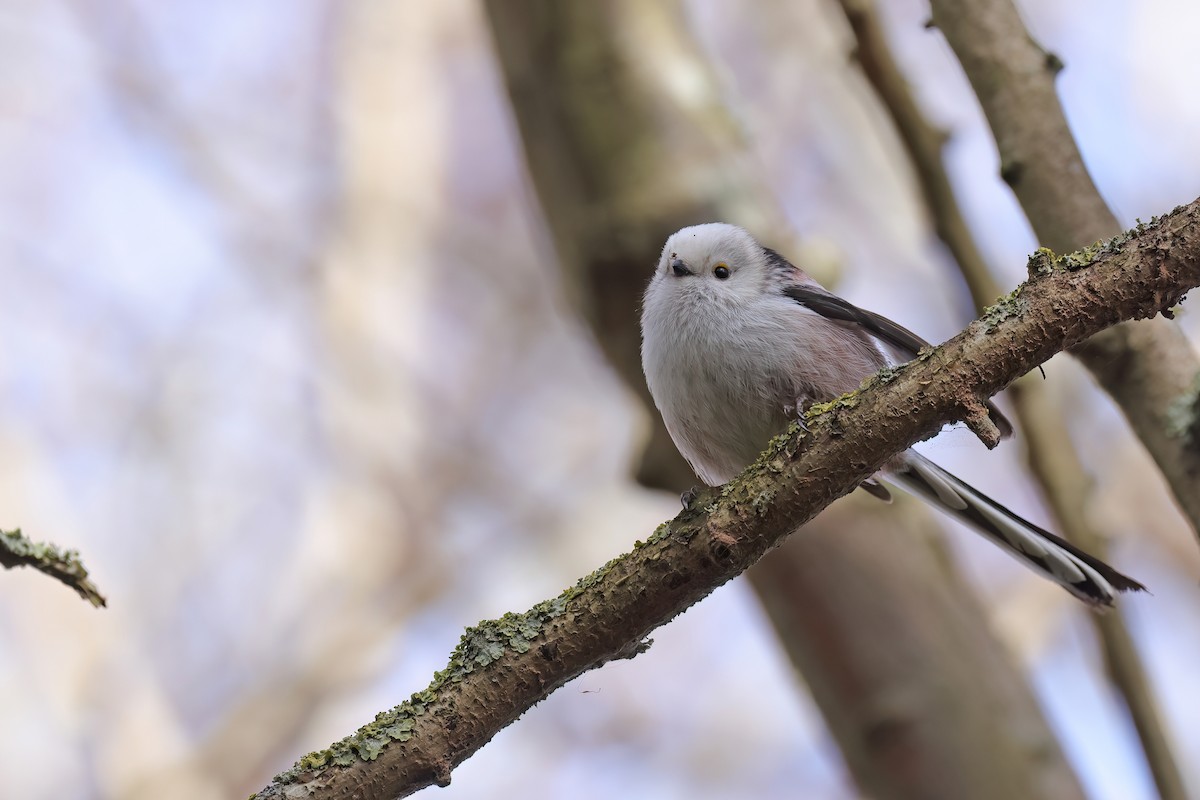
830 306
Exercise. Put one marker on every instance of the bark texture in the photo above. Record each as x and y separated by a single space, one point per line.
1148 368
502 667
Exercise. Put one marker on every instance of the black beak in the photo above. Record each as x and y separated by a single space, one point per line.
679 268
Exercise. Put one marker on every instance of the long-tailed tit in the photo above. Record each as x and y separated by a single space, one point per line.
737 342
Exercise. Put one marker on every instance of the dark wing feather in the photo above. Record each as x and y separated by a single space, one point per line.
831 306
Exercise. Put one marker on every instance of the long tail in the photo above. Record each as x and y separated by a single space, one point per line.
1084 576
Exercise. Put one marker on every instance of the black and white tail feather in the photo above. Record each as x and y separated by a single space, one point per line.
1088 578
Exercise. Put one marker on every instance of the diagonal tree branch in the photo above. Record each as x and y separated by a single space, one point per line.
501 668
18 551
1052 456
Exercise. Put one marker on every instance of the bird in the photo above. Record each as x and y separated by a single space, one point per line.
738 342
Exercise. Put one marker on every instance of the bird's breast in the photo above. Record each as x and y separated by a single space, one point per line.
721 386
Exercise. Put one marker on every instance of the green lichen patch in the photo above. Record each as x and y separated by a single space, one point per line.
16 545
1041 262
761 501
1086 256
1081 258
1007 307
369 741
1045 261
782 444
848 400
887 375
660 533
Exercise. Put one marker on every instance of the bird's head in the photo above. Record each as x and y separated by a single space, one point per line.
715 261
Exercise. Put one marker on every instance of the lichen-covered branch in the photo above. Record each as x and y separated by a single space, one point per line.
1053 458
1148 368
18 551
502 667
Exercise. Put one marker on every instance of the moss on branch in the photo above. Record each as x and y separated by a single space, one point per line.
16 550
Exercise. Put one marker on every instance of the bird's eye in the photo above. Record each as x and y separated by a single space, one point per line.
721 271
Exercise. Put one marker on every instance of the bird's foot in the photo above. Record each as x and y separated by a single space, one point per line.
687 498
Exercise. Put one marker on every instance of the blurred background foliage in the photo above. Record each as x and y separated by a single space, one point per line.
294 357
